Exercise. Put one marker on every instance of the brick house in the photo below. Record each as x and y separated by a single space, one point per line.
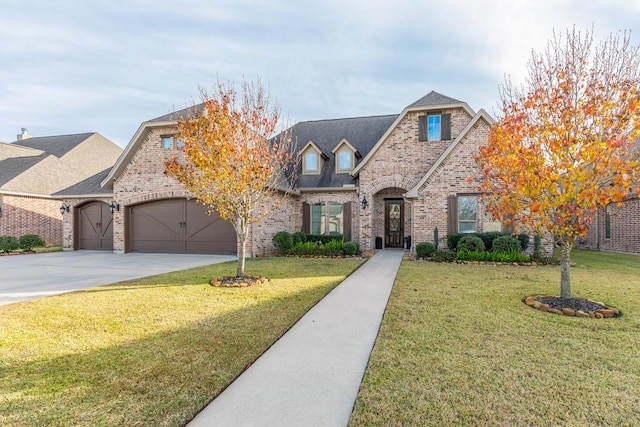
372 179
34 169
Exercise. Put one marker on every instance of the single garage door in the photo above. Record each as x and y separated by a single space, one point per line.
179 226
95 227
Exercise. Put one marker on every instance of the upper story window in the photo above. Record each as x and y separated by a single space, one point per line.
166 142
434 127
179 143
311 162
312 159
345 154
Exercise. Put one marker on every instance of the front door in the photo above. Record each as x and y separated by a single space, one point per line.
394 223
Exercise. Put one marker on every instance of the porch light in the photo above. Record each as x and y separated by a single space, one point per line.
113 207
364 202
64 208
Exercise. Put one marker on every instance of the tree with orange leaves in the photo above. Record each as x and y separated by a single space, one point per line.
231 160
567 142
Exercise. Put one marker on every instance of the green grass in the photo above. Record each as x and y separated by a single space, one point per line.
149 352
458 347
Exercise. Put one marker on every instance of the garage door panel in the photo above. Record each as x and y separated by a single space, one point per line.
95 227
179 226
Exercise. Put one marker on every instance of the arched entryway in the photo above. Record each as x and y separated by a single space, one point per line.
178 226
94 227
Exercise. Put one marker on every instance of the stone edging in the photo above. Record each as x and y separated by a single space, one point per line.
605 312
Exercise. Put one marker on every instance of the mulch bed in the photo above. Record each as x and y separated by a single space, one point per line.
237 281
578 307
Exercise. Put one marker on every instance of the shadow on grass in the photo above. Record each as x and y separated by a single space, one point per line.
165 378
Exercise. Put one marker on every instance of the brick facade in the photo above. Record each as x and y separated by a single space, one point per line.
624 229
31 215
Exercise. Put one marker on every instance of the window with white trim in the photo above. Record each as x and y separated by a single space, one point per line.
311 162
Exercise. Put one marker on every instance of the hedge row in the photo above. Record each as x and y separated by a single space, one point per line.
303 244
26 242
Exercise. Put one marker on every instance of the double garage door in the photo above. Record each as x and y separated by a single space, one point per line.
178 226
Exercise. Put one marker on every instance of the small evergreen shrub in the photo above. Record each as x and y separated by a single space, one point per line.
524 241
506 244
8 244
29 241
333 248
441 255
484 256
488 238
299 237
323 238
425 249
283 242
453 239
351 248
435 237
304 248
471 243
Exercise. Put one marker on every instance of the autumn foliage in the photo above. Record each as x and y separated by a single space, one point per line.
230 161
567 142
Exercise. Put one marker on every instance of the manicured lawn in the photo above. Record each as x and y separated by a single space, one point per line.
150 352
458 347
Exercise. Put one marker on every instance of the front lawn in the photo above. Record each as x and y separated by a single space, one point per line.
458 347
148 352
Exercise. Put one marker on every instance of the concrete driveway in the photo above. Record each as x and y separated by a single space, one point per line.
24 277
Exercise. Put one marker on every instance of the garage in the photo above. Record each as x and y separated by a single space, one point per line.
178 226
95 227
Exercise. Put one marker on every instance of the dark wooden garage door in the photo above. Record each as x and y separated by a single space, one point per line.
95 227
179 226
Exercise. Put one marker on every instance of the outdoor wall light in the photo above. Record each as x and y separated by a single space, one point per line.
114 207
364 202
65 208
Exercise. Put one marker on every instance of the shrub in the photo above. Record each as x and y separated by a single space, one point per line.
351 248
304 248
440 255
425 249
299 237
506 244
471 243
333 248
484 256
435 237
453 239
283 241
8 244
524 241
488 238
30 241
323 238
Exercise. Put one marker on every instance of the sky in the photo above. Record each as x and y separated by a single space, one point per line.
75 66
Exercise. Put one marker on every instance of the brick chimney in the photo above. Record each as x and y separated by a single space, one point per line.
23 135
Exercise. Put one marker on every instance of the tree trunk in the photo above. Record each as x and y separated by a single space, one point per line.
241 256
565 273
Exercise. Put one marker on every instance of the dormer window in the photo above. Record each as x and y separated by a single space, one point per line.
311 162
345 156
312 159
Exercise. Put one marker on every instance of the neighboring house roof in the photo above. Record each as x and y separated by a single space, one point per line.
361 132
87 187
46 165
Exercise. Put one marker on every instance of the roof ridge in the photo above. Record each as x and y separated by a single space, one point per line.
348 118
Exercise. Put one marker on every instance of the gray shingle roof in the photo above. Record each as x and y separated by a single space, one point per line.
57 145
361 132
434 98
175 115
12 167
90 185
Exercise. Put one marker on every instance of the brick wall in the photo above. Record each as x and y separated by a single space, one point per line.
31 215
625 229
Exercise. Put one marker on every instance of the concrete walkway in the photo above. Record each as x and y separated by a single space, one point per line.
311 376
27 277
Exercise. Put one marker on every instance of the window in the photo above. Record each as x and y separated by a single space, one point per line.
311 162
467 214
318 218
335 218
345 160
488 223
433 128
327 218
166 142
607 222
179 143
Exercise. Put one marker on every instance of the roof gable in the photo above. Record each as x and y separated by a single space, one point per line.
434 98
413 193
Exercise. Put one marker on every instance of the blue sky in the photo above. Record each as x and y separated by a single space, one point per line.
71 66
